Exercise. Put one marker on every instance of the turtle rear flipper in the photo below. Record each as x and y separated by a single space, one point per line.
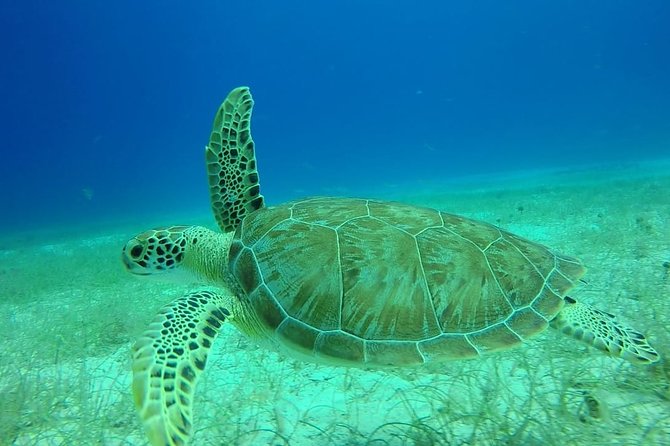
602 331
168 360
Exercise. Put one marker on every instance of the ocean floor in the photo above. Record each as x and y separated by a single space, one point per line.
70 314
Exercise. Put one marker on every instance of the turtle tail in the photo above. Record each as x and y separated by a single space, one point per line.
168 359
602 331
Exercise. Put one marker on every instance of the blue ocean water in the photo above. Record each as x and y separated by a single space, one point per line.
106 107
104 114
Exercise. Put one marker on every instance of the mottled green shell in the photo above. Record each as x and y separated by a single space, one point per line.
368 282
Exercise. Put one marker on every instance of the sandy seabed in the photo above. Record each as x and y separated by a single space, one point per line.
70 313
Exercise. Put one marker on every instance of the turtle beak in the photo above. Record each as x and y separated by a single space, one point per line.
131 266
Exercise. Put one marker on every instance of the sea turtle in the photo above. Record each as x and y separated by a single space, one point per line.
343 281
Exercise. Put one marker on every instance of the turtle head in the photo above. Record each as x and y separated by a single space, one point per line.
156 250
195 250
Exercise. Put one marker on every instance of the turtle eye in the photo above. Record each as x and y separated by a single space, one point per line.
136 252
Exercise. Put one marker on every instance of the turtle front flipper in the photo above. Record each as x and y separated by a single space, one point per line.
231 162
168 359
604 332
